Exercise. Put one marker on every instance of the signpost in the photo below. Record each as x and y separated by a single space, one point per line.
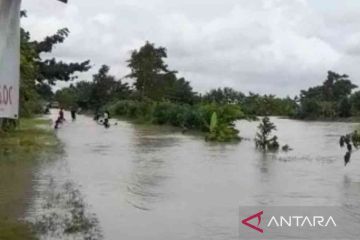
9 58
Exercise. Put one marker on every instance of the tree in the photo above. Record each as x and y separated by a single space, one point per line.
29 98
344 108
224 96
107 88
66 97
154 80
148 68
96 94
83 91
45 91
329 100
355 103
337 86
37 74
263 139
50 70
179 90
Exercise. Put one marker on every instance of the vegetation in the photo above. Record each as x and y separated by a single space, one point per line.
96 94
192 117
67 215
38 75
333 99
157 97
264 140
153 79
18 150
253 104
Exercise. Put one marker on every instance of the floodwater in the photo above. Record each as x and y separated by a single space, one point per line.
138 182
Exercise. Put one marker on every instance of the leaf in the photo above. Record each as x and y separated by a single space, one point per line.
213 122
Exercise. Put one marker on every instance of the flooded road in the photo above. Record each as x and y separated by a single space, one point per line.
147 182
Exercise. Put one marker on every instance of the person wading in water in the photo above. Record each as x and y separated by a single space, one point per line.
106 119
347 140
73 113
61 115
60 119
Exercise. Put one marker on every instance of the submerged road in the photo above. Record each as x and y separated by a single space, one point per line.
148 182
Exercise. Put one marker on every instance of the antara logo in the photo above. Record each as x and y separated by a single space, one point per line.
256 228
290 221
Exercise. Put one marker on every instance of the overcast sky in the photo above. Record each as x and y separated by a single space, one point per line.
263 46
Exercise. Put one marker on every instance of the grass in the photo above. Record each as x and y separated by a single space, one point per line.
15 231
19 151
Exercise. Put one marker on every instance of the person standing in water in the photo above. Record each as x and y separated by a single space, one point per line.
106 119
57 123
73 113
347 158
61 115
348 154
342 141
60 119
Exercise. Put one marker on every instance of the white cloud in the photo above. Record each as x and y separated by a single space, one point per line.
267 46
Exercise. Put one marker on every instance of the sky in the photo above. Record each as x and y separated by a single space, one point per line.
263 46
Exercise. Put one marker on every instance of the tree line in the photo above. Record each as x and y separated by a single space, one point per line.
159 94
333 99
153 81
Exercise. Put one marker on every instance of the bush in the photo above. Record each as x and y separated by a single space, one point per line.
221 126
132 109
263 139
186 116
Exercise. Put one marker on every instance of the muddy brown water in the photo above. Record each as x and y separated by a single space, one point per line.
148 182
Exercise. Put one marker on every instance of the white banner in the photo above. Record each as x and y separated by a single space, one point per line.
9 58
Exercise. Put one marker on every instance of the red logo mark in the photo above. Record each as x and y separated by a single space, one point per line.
256 228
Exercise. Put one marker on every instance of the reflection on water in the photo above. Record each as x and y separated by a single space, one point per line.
146 182
149 170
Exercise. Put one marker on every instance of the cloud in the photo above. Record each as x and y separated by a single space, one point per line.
266 46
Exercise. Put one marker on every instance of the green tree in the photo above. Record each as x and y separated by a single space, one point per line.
107 88
177 90
38 74
329 100
263 139
148 69
45 91
355 103
83 91
154 80
344 107
337 86
96 94
224 96
66 97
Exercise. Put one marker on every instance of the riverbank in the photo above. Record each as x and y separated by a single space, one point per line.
355 119
20 151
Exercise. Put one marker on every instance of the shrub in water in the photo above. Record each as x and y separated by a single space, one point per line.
198 117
